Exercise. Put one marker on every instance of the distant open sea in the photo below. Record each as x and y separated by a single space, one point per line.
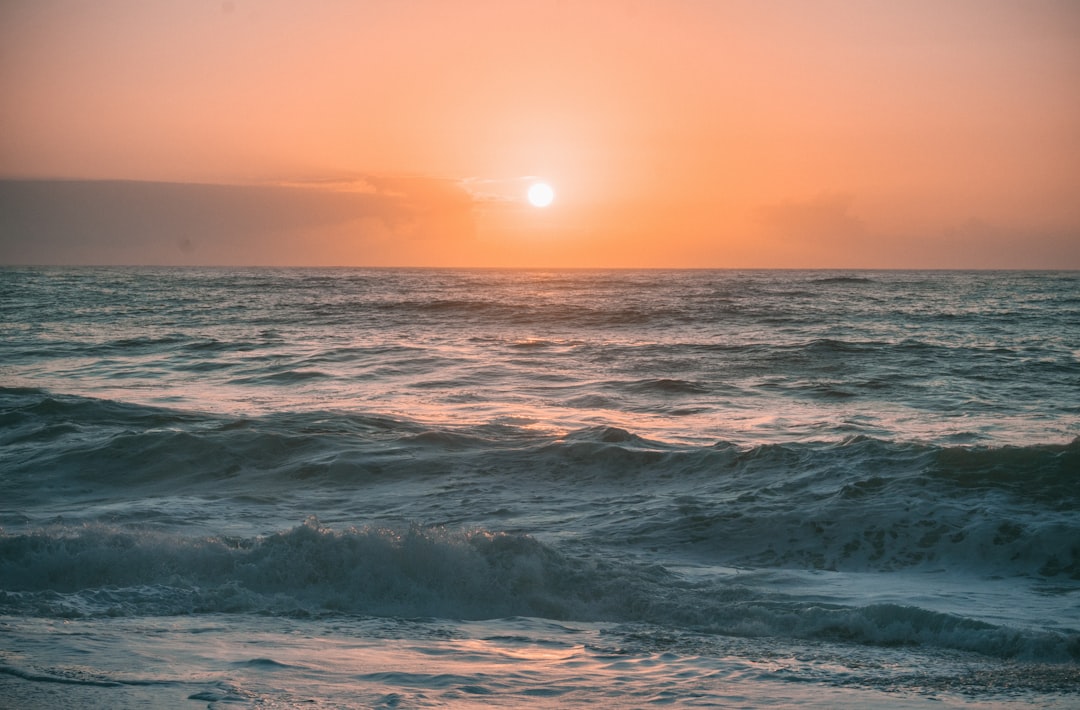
327 488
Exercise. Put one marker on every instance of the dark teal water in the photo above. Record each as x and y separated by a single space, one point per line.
523 487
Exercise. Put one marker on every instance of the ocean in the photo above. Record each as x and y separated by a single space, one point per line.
338 488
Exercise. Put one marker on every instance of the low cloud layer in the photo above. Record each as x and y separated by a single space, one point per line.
122 222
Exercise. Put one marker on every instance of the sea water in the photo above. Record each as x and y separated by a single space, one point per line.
234 488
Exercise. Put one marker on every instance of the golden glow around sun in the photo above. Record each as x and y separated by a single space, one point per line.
541 194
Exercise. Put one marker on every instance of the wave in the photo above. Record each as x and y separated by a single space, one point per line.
437 572
860 504
842 280
284 377
666 386
527 311
867 505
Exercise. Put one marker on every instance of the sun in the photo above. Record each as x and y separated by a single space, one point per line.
541 194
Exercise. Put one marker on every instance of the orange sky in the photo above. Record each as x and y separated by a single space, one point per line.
675 132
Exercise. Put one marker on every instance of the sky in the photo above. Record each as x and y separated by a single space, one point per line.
676 133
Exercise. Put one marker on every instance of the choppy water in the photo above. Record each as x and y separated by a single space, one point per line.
420 488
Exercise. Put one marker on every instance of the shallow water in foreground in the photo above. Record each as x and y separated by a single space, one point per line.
417 488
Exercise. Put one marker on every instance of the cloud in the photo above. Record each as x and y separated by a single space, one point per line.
124 222
499 191
824 232
978 243
825 220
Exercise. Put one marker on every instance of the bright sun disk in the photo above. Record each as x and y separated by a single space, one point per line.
541 194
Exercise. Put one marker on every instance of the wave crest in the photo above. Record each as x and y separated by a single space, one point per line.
437 572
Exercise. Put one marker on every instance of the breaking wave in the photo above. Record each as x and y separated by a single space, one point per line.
436 572
860 504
